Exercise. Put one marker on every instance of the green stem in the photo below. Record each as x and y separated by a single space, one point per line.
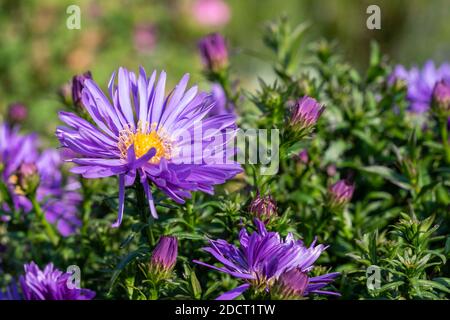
85 216
147 232
47 226
224 81
444 135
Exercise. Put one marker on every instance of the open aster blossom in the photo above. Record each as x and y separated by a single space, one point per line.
77 86
50 284
214 52
165 140
10 293
19 156
262 258
420 83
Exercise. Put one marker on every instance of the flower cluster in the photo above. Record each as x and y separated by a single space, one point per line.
28 175
421 83
164 256
214 52
264 258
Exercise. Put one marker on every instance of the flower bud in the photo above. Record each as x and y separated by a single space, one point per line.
303 156
28 178
17 113
441 99
144 37
164 255
331 170
305 114
264 208
214 52
291 285
78 85
340 193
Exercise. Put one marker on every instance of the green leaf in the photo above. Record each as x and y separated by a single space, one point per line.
433 284
389 286
196 288
389 174
124 262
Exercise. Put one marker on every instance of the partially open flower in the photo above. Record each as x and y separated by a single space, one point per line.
305 114
331 170
303 156
17 113
303 119
78 85
263 208
340 194
164 257
291 285
262 257
211 13
28 178
214 52
441 99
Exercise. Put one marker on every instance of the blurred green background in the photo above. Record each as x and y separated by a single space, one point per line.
38 53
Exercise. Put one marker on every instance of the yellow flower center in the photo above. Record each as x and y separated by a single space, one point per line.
144 138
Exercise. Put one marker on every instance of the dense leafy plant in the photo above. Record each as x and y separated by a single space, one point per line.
368 169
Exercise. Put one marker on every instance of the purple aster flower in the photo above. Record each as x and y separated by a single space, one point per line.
420 83
263 208
10 293
305 114
166 140
261 259
19 159
78 85
15 150
17 113
212 13
28 178
165 254
214 52
340 193
50 284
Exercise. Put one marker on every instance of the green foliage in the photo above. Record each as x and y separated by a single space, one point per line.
398 166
